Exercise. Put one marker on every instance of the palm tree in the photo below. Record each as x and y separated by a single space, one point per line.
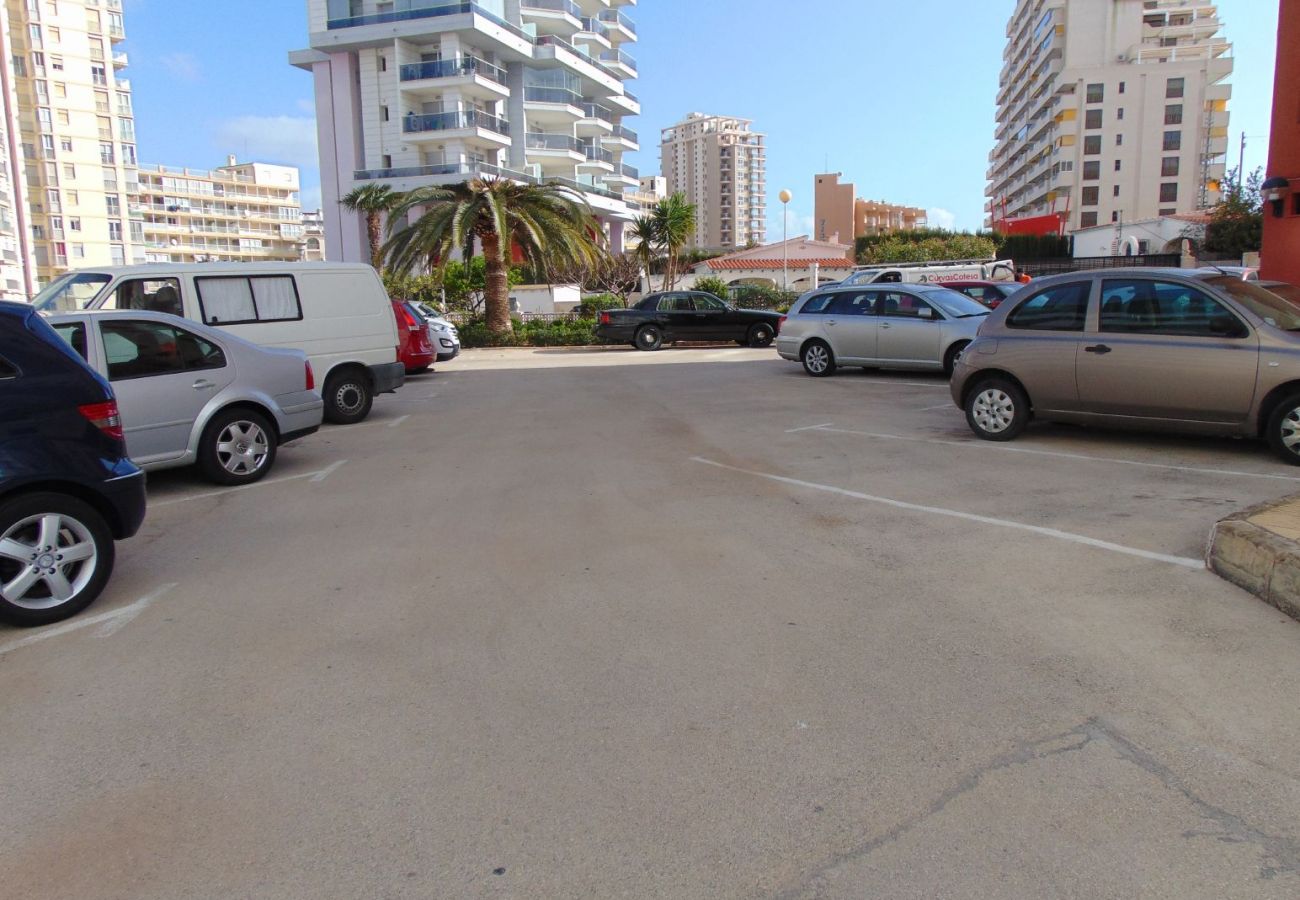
674 221
547 223
374 200
645 232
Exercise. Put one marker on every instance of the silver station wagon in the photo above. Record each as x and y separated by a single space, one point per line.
911 326
1161 349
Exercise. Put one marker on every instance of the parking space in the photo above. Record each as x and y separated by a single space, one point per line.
680 624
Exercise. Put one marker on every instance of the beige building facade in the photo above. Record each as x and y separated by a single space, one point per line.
840 215
240 212
71 138
1110 111
720 164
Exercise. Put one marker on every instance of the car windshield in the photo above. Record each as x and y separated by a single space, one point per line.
1286 291
955 303
71 292
1269 306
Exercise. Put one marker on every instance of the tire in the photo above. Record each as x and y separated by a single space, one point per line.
238 447
1283 430
997 409
649 338
348 397
34 522
950 358
761 335
818 359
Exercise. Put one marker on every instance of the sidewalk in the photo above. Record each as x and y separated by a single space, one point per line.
1259 549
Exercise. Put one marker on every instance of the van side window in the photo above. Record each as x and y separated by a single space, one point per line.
239 300
149 294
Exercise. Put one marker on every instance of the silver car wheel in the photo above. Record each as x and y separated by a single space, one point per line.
816 358
58 558
242 448
1291 431
994 410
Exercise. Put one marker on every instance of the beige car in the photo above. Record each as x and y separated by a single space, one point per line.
1163 349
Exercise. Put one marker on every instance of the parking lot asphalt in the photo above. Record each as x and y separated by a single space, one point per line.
686 624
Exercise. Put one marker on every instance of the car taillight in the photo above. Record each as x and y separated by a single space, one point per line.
411 322
311 376
105 417
604 317
780 323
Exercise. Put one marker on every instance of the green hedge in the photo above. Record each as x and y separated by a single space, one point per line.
533 333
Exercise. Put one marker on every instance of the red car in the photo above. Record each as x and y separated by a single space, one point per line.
414 350
990 293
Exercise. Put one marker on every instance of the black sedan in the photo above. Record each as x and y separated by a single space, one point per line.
687 316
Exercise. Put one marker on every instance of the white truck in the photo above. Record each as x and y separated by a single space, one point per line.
935 272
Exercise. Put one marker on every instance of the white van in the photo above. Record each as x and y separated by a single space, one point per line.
337 313
934 272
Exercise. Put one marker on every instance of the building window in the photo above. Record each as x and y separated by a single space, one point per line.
65 144
74 224
1119 165
1096 93
1173 140
56 63
1119 114
1169 192
115 231
1092 119
1174 88
1091 196
1115 191
1114 216
1092 145
1092 170
1169 167
99 75
383 63
383 113
1168 212
1174 114
1121 89
1119 140
1088 220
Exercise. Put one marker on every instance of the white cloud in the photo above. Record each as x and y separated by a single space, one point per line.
308 107
284 139
184 66
941 218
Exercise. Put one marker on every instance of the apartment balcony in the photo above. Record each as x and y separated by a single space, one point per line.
471 125
594 32
116 34
596 120
553 106
625 103
560 17
623 176
552 47
596 157
120 60
622 29
469 74
624 138
554 147
619 61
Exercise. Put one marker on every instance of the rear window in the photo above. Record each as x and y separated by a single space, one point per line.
817 305
241 300
1060 308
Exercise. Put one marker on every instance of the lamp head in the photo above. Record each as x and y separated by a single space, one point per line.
786 196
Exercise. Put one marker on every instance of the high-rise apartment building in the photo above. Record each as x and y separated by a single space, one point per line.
720 164
419 92
71 141
840 215
1110 111
240 212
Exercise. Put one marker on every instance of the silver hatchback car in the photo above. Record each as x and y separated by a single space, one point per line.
1162 349
903 326
191 394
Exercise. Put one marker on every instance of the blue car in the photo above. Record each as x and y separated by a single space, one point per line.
67 488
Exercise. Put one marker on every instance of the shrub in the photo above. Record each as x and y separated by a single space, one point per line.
531 333
714 285
591 306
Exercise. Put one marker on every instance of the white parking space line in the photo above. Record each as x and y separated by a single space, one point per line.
940 406
932 385
1058 454
316 477
1184 561
112 621
809 428
398 421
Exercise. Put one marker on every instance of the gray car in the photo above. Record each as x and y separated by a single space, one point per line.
191 394
1164 349
903 326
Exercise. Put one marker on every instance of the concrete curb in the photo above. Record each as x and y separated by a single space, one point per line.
1257 559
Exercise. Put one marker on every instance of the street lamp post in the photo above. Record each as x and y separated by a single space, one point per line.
786 197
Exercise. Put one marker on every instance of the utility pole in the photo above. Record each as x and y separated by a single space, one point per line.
1241 164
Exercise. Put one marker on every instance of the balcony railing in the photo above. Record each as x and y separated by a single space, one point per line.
450 121
553 142
596 27
453 68
471 170
561 6
596 111
596 154
614 17
626 134
433 9
614 57
535 94
630 172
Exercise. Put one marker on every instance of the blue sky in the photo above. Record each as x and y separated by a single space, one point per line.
897 96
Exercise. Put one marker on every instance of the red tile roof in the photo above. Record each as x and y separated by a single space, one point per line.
740 264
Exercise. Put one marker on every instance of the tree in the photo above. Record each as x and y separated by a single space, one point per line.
374 200
674 222
548 224
1237 220
713 285
645 231
902 246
